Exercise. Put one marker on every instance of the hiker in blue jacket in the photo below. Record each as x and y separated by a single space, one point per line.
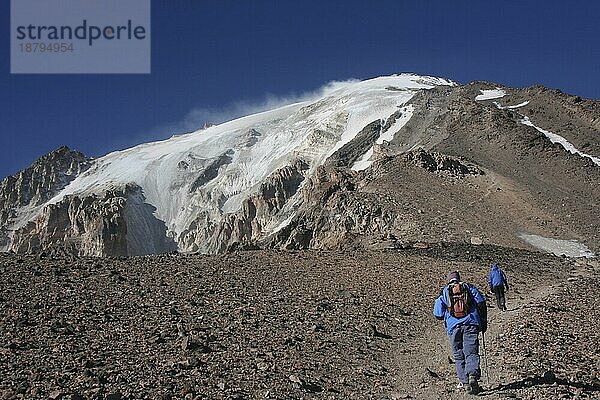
497 281
463 309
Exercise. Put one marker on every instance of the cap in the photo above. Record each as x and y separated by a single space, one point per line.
453 276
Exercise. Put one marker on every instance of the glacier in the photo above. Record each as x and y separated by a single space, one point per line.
213 170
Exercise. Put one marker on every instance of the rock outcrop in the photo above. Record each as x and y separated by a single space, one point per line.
245 228
97 226
436 162
37 184
93 225
340 211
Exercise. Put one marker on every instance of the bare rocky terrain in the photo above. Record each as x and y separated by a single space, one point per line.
289 325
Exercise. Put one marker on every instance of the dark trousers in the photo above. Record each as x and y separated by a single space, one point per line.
500 298
465 347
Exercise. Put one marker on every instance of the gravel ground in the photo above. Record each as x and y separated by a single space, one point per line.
286 325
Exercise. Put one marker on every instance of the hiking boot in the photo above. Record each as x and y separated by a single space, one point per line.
473 386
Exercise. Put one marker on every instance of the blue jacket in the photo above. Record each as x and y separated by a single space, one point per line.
440 310
497 277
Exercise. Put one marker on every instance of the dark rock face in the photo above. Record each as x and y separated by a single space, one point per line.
211 171
353 150
430 106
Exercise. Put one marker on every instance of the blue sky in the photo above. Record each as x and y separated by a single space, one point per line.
218 59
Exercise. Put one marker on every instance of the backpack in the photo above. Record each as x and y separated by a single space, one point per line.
459 300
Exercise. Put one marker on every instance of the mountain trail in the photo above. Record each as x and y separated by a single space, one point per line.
431 373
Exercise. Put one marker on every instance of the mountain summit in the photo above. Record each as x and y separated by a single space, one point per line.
367 164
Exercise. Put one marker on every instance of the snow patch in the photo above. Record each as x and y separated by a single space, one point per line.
554 138
511 107
365 161
283 224
490 94
558 247
388 135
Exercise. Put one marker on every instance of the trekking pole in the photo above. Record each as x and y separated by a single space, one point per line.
485 362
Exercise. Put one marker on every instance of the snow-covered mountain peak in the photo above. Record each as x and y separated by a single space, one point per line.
283 178
216 168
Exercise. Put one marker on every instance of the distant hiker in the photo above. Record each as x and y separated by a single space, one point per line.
462 308
498 282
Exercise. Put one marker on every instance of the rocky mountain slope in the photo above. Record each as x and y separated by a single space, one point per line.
483 175
36 185
289 325
375 164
